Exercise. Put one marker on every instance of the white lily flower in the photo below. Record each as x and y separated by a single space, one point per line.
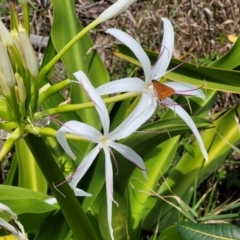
149 99
7 226
105 141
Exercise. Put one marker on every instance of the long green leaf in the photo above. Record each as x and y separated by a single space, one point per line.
65 26
48 230
182 177
215 78
30 175
27 205
220 231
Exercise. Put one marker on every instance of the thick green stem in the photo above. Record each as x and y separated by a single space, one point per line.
75 107
52 90
34 100
68 203
47 67
14 106
9 143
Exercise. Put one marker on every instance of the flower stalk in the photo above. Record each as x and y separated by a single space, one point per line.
80 106
114 10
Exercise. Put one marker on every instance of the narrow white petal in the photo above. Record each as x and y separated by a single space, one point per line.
81 129
122 85
95 98
135 47
5 208
129 154
188 120
8 227
80 193
61 137
166 51
77 128
109 188
141 113
186 89
83 167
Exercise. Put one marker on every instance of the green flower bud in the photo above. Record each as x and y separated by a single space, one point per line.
21 88
4 86
29 53
18 44
5 66
5 35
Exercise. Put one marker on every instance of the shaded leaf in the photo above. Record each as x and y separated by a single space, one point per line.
199 231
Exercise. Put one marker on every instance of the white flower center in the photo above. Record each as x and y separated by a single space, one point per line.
103 141
150 90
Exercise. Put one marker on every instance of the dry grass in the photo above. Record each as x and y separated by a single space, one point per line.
200 26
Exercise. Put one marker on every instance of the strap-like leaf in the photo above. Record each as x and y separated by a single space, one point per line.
199 231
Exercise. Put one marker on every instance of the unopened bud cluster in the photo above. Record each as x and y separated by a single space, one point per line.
18 72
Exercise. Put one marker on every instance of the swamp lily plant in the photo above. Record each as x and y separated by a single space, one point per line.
149 99
105 141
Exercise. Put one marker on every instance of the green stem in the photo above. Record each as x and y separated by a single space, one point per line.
49 132
9 143
75 107
68 203
8 125
28 91
52 90
49 66
34 100
14 106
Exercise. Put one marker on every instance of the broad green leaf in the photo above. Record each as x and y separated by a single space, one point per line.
157 161
70 206
119 219
55 228
12 177
220 231
51 102
18 193
144 142
170 233
94 222
118 113
65 26
229 60
30 175
182 177
49 53
215 78
27 205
